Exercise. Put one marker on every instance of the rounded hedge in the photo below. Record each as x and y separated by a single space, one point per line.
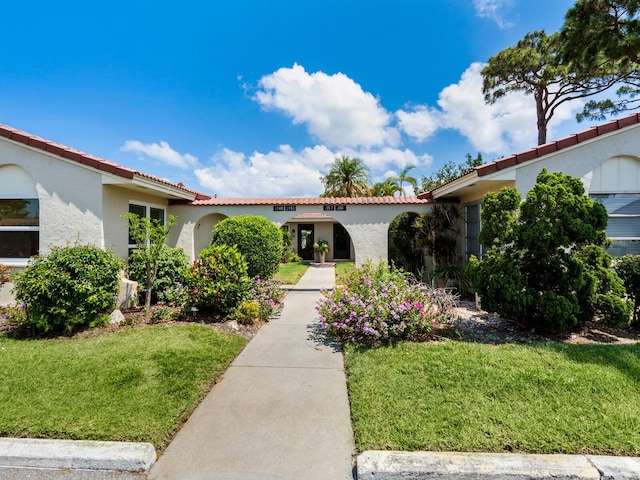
258 239
68 288
218 280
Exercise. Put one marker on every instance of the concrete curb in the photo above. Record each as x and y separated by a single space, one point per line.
72 454
386 465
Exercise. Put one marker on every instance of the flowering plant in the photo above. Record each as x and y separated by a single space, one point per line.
379 304
268 293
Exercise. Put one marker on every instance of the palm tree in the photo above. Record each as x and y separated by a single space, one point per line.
403 177
347 177
388 188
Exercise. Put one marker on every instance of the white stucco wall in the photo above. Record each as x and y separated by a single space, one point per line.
367 225
70 209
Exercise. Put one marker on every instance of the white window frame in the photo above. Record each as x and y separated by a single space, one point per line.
147 206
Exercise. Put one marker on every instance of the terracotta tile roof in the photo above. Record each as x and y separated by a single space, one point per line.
558 145
545 149
312 201
86 159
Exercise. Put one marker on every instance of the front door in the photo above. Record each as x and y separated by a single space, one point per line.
305 242
341 242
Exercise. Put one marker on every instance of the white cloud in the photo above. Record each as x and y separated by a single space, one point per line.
290 173
421 123
334 108
162 152
281 173
507 126
493 9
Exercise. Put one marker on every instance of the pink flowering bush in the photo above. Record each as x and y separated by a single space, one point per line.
379 304
268 293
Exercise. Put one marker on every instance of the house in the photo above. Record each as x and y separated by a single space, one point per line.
53 195
606 158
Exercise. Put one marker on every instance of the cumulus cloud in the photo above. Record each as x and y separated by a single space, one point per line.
507 126
290 173
280 173
334 108
161 151
493 9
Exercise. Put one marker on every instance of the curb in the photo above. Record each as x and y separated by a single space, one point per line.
76 454
386 465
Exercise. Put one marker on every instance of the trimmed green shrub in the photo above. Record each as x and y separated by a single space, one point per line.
246 312
628 268
545 265
68 288
173 265
218 280
258 239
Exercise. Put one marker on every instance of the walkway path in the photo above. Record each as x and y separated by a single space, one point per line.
281 410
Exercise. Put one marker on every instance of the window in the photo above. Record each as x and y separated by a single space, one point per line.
623 227
156 214
19 229
472 231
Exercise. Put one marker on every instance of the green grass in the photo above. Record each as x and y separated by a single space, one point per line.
453 396
135 385
291 272
342 268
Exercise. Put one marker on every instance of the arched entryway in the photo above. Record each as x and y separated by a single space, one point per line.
308 229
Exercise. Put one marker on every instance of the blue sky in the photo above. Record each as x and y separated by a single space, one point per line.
254 97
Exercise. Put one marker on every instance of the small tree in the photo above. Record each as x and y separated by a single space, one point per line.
149 237
545 266
257 238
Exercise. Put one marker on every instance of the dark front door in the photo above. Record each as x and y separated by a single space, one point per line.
305 241
341 242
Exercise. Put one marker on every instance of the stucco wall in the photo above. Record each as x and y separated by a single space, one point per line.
70 209
367 225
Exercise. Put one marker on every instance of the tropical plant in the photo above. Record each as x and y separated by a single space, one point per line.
258 239
404 177
69 287
149 236
388 188
321 246
347 177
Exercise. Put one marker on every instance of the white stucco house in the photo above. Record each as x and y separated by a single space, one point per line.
606 158
53 195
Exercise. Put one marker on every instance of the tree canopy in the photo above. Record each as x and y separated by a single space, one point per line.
347 177
450 171
534 66
605 32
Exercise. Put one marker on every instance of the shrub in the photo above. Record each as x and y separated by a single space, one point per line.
173 265
246 312
628 268
378 304
71 287
258 239
288 254
5 274
268 294
218 280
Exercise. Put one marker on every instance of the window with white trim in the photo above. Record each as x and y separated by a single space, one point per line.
155 213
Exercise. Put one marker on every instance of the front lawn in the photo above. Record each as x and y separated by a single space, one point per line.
290 273
135 385
537 398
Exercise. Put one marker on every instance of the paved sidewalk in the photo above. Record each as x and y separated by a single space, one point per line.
281 410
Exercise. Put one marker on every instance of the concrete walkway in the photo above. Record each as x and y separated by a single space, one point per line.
281 410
